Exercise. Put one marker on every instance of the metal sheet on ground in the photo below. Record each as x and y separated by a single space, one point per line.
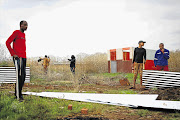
112 99
129 100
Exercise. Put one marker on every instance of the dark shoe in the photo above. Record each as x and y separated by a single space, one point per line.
21 99
15 97
131 88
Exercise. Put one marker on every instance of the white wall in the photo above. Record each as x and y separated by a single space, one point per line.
119 54
150 54
131 52
108 55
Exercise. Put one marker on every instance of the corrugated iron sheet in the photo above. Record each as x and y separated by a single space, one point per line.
129 100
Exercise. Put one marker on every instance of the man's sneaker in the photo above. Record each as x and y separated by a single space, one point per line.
21 99
132 88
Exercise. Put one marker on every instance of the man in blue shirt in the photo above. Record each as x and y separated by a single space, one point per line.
161 58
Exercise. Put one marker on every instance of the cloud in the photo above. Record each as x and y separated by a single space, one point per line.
162 2
11 4
10 16
163 19
64 27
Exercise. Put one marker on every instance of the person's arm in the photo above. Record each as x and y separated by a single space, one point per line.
144 56
155 59
9 41
134 55
49 59
166 54
41 58
69 59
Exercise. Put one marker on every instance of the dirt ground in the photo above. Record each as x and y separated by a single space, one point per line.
164 94
168 94
120 113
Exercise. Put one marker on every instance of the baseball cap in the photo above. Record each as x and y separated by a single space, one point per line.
141 41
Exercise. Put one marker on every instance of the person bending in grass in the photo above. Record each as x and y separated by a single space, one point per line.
139 57
46 61
18 51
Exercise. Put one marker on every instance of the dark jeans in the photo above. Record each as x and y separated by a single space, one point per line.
72 70
21 64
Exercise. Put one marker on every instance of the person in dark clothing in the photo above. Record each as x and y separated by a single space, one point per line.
19 53
72 64
138 60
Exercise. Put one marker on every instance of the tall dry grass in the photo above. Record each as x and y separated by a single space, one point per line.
96 63
58 73
174 61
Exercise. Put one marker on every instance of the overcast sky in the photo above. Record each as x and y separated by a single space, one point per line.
66 27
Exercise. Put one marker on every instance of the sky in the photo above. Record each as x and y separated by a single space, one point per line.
65 27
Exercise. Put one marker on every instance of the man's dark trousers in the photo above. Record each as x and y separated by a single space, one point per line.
21 64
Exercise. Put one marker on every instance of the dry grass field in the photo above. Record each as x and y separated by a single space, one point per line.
174 61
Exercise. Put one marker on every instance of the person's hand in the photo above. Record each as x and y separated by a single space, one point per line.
145 62
162 51
15 56
132 65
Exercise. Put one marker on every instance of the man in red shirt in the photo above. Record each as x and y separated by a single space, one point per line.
18 51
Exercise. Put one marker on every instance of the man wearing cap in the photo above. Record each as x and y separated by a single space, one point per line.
138 61
161 58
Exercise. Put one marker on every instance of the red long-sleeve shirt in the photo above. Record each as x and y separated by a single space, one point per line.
19 44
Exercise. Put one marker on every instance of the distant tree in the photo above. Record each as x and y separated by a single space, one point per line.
3 53
4 56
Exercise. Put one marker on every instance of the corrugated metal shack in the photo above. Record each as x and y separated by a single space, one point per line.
120 60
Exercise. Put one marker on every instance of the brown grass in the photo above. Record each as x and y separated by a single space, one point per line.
174 61
96 63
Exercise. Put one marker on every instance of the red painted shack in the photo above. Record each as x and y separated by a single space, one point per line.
120 60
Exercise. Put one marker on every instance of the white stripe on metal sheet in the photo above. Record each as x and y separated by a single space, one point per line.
161 82
161 79
160 86
163 72
12 78
11 70
162 76
27 81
